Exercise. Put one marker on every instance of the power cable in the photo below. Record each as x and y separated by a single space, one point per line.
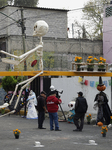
85 7
8 15
7 26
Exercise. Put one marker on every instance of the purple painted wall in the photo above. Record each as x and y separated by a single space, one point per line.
107 36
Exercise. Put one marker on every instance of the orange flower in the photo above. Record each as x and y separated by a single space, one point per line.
90 57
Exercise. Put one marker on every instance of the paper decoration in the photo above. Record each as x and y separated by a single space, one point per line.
92 83
80 79
105 82
96 84
110 82
86 82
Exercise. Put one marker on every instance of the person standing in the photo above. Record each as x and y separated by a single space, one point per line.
81 107
32 113
41 108
52 106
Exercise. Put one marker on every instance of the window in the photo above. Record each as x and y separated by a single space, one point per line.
3 47
108 11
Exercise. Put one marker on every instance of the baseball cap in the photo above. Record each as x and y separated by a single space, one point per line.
80 93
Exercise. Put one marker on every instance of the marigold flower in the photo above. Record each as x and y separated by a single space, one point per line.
19 131
95 59
90 60
90 57
80 58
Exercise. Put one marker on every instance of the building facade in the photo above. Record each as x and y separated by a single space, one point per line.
107 33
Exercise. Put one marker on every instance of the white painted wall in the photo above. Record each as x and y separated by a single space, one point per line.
71 86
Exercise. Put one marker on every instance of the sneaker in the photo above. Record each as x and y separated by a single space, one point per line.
42 128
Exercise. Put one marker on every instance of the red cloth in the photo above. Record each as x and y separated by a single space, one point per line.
52 104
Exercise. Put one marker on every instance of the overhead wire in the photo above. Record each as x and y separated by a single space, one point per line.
50 14
7 26
8 16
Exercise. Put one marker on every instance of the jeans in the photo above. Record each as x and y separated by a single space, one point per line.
53 117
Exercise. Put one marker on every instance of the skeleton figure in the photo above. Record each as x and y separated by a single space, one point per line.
40 29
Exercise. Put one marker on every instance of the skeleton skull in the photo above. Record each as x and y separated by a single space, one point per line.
71 105
40 28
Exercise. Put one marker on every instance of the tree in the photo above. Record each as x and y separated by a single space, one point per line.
93 11
30 3
9 83
92 19
82 29
4 2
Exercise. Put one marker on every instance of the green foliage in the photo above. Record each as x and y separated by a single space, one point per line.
9 83
48 59
3 3
28 3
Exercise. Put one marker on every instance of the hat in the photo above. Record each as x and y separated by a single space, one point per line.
52 92
43 92
80 93
100 81
52 88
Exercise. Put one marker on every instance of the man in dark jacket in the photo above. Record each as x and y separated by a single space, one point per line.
81 107
41 107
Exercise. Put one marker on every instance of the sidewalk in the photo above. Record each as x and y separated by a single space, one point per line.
60 115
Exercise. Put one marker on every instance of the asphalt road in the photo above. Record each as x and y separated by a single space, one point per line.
50 140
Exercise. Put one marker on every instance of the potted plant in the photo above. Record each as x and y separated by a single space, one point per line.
101 66
2 111
110 119
89 117
78 60
90 62
104 130
16 133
